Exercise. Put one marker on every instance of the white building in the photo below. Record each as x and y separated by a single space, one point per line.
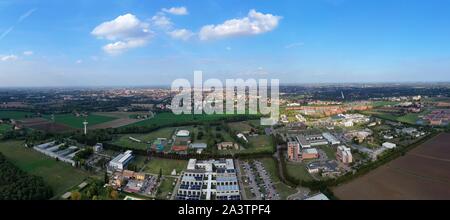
389 145
183 133
318 197
344 154
121 161
331 138
209 180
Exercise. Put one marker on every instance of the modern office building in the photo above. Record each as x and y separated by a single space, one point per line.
209 180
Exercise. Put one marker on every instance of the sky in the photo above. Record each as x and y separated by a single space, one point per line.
154 42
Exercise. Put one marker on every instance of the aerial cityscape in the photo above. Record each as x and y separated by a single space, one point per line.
299 100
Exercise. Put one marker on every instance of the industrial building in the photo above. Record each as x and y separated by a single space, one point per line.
331 138
308 141
209 180
120 162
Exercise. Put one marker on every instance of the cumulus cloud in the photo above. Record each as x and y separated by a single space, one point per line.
255 23
6 58
181 34
176 10
28 53
161 21
125 32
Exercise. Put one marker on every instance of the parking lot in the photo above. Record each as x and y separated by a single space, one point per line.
259 181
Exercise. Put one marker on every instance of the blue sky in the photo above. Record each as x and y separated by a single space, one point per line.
153 42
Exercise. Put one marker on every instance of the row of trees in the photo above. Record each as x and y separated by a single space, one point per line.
15 184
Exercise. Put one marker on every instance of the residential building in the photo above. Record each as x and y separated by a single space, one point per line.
293 151
344 155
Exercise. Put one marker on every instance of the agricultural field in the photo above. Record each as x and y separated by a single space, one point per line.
58 175
421 174
167 166
410 118
16 115
77 122
164 119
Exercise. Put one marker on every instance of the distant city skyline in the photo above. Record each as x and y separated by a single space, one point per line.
149 43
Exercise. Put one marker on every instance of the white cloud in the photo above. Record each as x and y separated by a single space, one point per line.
181 34
79 61
126 32
298 44
161 21
255 23
28 53
176 10
228 48
9 58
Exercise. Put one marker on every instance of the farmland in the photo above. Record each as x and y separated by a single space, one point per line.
58 175
165 119
77 122
14 114
420 174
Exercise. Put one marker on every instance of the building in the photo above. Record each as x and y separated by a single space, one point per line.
310 153
308 141
331 138
318 197
183 133
327 168
293 151
98 147
344 155
227 146
389 145
121 161
209 180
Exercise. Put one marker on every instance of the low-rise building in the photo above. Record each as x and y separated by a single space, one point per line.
209 180
331 138
389 145
120 162
227 146
310 153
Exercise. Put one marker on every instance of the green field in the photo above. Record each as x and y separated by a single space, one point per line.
17 115
298 171
58 175
260 143
164 119
410 118
124 140
165 188
4 128
167 166
77 122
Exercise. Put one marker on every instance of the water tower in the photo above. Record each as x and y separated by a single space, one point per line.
85 123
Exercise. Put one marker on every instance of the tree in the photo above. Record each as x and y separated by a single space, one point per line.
106 179
160 174
75 195
114 195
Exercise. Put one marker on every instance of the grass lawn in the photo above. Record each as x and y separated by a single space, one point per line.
260 143
240 126
167 166
124 140
298 171
77 122
4 128
60 176
165 188
14 114
329 151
